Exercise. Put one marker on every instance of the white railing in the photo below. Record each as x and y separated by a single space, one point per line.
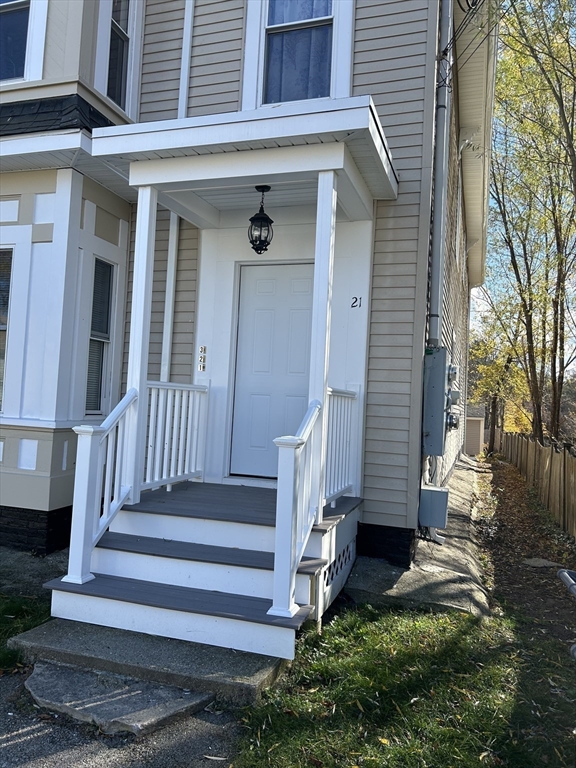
100 487
176 433
296 506
338 464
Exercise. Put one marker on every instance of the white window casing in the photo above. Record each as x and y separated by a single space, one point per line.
35 36
5 279
253 81
98 388
17 240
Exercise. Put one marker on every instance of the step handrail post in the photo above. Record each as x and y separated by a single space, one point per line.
86 504
283 597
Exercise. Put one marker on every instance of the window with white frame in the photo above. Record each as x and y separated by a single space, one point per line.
298 54
297 50
22 39
100 336
14 16
5 276
119 49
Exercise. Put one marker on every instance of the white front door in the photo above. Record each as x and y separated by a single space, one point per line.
272 363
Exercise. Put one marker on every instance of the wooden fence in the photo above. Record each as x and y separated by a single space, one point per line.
551 470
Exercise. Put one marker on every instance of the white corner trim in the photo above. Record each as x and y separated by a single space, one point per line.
342 48
253 52
36 40
134 68
102 46
186 57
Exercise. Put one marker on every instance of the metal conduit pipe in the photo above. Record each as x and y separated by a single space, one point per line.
441 153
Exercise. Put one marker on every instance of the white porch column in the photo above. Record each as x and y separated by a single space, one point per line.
321 318
140 339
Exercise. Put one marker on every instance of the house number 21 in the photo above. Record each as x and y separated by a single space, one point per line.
356 302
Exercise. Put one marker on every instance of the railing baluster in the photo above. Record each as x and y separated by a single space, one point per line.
152 434
176 425
182 432
158 450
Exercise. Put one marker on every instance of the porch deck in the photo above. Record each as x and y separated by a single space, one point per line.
230 503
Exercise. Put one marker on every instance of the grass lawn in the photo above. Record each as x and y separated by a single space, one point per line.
17 614
416 688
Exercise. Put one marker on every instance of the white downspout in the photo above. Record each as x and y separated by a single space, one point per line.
441 153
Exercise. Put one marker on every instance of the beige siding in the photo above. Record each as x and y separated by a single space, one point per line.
216 66
63 40
183 357
183 347
392 64
161 59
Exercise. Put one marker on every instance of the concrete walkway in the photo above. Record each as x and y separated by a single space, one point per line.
442 576
446 576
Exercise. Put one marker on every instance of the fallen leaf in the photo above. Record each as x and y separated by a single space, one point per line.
211 757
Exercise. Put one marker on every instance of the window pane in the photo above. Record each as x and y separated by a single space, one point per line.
120 13
101 299
13 31
95 366
286 11
5 270
298 64
117 67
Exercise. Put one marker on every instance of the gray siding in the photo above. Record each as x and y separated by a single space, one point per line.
216 65
183 357
161 59
183 346
391 60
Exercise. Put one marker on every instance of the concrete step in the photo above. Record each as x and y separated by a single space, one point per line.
234 677
113 703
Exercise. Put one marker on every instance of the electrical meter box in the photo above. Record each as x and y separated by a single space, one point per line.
433 509
435 400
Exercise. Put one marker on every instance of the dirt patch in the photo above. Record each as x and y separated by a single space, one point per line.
22 573
513 527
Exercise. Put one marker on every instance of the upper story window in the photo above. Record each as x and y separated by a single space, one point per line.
118 60
298 50
14 16
118 52
22 39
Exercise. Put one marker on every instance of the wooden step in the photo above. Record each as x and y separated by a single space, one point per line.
202 566
206 553
214 618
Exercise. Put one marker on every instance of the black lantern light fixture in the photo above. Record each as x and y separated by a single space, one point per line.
260 231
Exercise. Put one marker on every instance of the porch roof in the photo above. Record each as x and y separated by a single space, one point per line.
205 165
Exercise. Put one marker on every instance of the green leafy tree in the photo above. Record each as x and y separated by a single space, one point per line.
532 260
